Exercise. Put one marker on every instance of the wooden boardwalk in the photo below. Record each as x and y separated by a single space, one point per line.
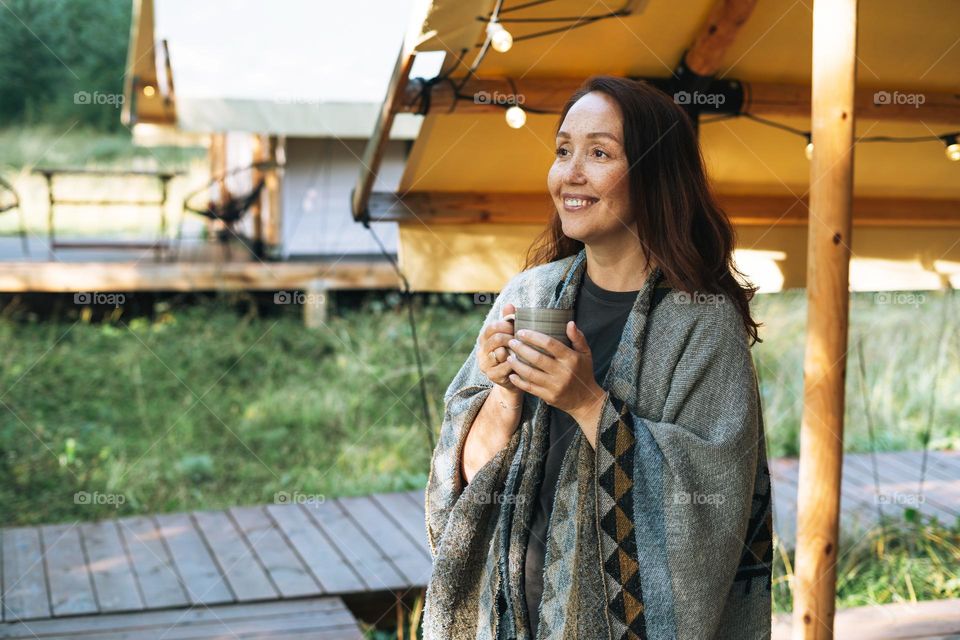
899 475
277 552
306 569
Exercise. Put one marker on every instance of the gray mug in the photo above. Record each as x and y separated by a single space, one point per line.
552 322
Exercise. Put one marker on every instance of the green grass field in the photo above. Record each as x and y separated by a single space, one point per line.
213 403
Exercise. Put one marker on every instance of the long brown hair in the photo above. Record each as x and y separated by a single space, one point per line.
679 221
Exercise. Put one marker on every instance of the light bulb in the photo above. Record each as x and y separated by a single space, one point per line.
808 151
148 90
500 38
953 152
516 117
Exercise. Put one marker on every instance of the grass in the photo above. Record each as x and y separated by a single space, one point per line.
227 401
908 560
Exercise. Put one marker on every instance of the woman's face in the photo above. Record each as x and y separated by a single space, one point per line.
589 177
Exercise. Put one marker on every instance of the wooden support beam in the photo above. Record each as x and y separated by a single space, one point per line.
828 269
746 210
759 98
376 146
717 34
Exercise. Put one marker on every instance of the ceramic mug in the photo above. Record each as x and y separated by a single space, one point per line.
552 322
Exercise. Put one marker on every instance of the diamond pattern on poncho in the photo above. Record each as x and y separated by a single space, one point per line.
615 478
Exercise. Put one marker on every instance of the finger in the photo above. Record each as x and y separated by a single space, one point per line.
532 374
499 372
496 341
508 309
577 339
531 355
501 353
552 346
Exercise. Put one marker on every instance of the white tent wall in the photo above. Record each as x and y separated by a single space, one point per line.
317 180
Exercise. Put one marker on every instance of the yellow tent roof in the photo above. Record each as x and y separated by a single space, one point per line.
911 239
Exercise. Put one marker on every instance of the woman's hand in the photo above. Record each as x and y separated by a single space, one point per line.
494 338
563 379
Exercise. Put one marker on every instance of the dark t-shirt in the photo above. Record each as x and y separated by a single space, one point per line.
601 315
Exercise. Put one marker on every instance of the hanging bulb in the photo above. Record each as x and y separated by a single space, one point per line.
149 90
808 150
953 148
500 38
516 117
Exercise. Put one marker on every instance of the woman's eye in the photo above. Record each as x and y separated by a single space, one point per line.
600 151
561 151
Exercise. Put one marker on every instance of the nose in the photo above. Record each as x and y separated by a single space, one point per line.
573 171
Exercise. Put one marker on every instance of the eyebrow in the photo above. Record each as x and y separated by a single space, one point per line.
594 134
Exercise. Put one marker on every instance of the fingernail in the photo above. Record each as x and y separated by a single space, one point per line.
522 333
513 342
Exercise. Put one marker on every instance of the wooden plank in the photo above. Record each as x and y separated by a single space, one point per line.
291 577
770 99
322 558
152 565
314 618
409 515
239 564
110 568
930 620
365 558
199 573
71 589
938 464
151 276
526 208
24 586
390 538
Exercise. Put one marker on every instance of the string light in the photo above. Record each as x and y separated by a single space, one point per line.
516 117
500 39
953 149
808 150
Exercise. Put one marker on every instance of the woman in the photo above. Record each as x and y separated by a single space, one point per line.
617 488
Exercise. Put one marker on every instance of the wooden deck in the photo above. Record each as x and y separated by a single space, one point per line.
899 475
289 569
311 619
342 547
933 620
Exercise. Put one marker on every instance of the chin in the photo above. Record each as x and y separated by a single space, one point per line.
576 230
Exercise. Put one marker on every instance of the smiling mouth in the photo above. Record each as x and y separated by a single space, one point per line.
578 204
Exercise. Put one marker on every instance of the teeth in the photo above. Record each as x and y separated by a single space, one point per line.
576 202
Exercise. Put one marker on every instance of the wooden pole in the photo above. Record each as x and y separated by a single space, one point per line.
273 227
828 266
259 154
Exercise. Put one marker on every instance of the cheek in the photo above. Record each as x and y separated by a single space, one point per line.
553 179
